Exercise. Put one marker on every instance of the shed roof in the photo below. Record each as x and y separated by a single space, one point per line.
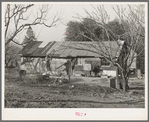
30 48
64 49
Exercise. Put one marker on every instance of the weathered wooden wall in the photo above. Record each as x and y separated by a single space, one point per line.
38 65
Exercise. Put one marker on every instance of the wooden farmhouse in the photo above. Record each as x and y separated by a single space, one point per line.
34 55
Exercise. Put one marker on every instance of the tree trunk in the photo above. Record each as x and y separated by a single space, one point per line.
117 83
7 62
124 82
96 74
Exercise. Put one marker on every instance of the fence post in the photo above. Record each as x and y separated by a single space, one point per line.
117 80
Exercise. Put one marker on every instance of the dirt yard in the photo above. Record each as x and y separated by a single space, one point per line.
88 92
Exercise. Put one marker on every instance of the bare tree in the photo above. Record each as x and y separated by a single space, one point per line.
132 19
11 52
20 16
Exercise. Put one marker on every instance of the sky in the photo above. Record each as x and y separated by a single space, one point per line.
70 11
67 12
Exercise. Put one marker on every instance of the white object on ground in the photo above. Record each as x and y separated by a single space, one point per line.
87 67
23 67
109 73
77 74
44 73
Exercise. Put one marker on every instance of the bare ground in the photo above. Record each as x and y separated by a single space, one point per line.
86 93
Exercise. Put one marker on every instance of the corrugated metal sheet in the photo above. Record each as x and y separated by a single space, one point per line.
74 51
30 47
33 48
53 48
67 50
83 51
60 48
63 49
37 53
45 49
92 53
27 47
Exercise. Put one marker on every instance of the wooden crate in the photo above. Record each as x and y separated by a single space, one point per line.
113 82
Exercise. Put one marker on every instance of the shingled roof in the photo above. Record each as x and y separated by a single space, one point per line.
64 49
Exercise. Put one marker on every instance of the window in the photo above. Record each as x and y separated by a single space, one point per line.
105 62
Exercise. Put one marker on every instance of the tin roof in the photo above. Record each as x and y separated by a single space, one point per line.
30 48
64 49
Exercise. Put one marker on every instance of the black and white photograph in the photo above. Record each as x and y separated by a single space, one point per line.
75 60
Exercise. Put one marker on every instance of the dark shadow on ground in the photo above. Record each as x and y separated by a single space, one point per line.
136 88
76 80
